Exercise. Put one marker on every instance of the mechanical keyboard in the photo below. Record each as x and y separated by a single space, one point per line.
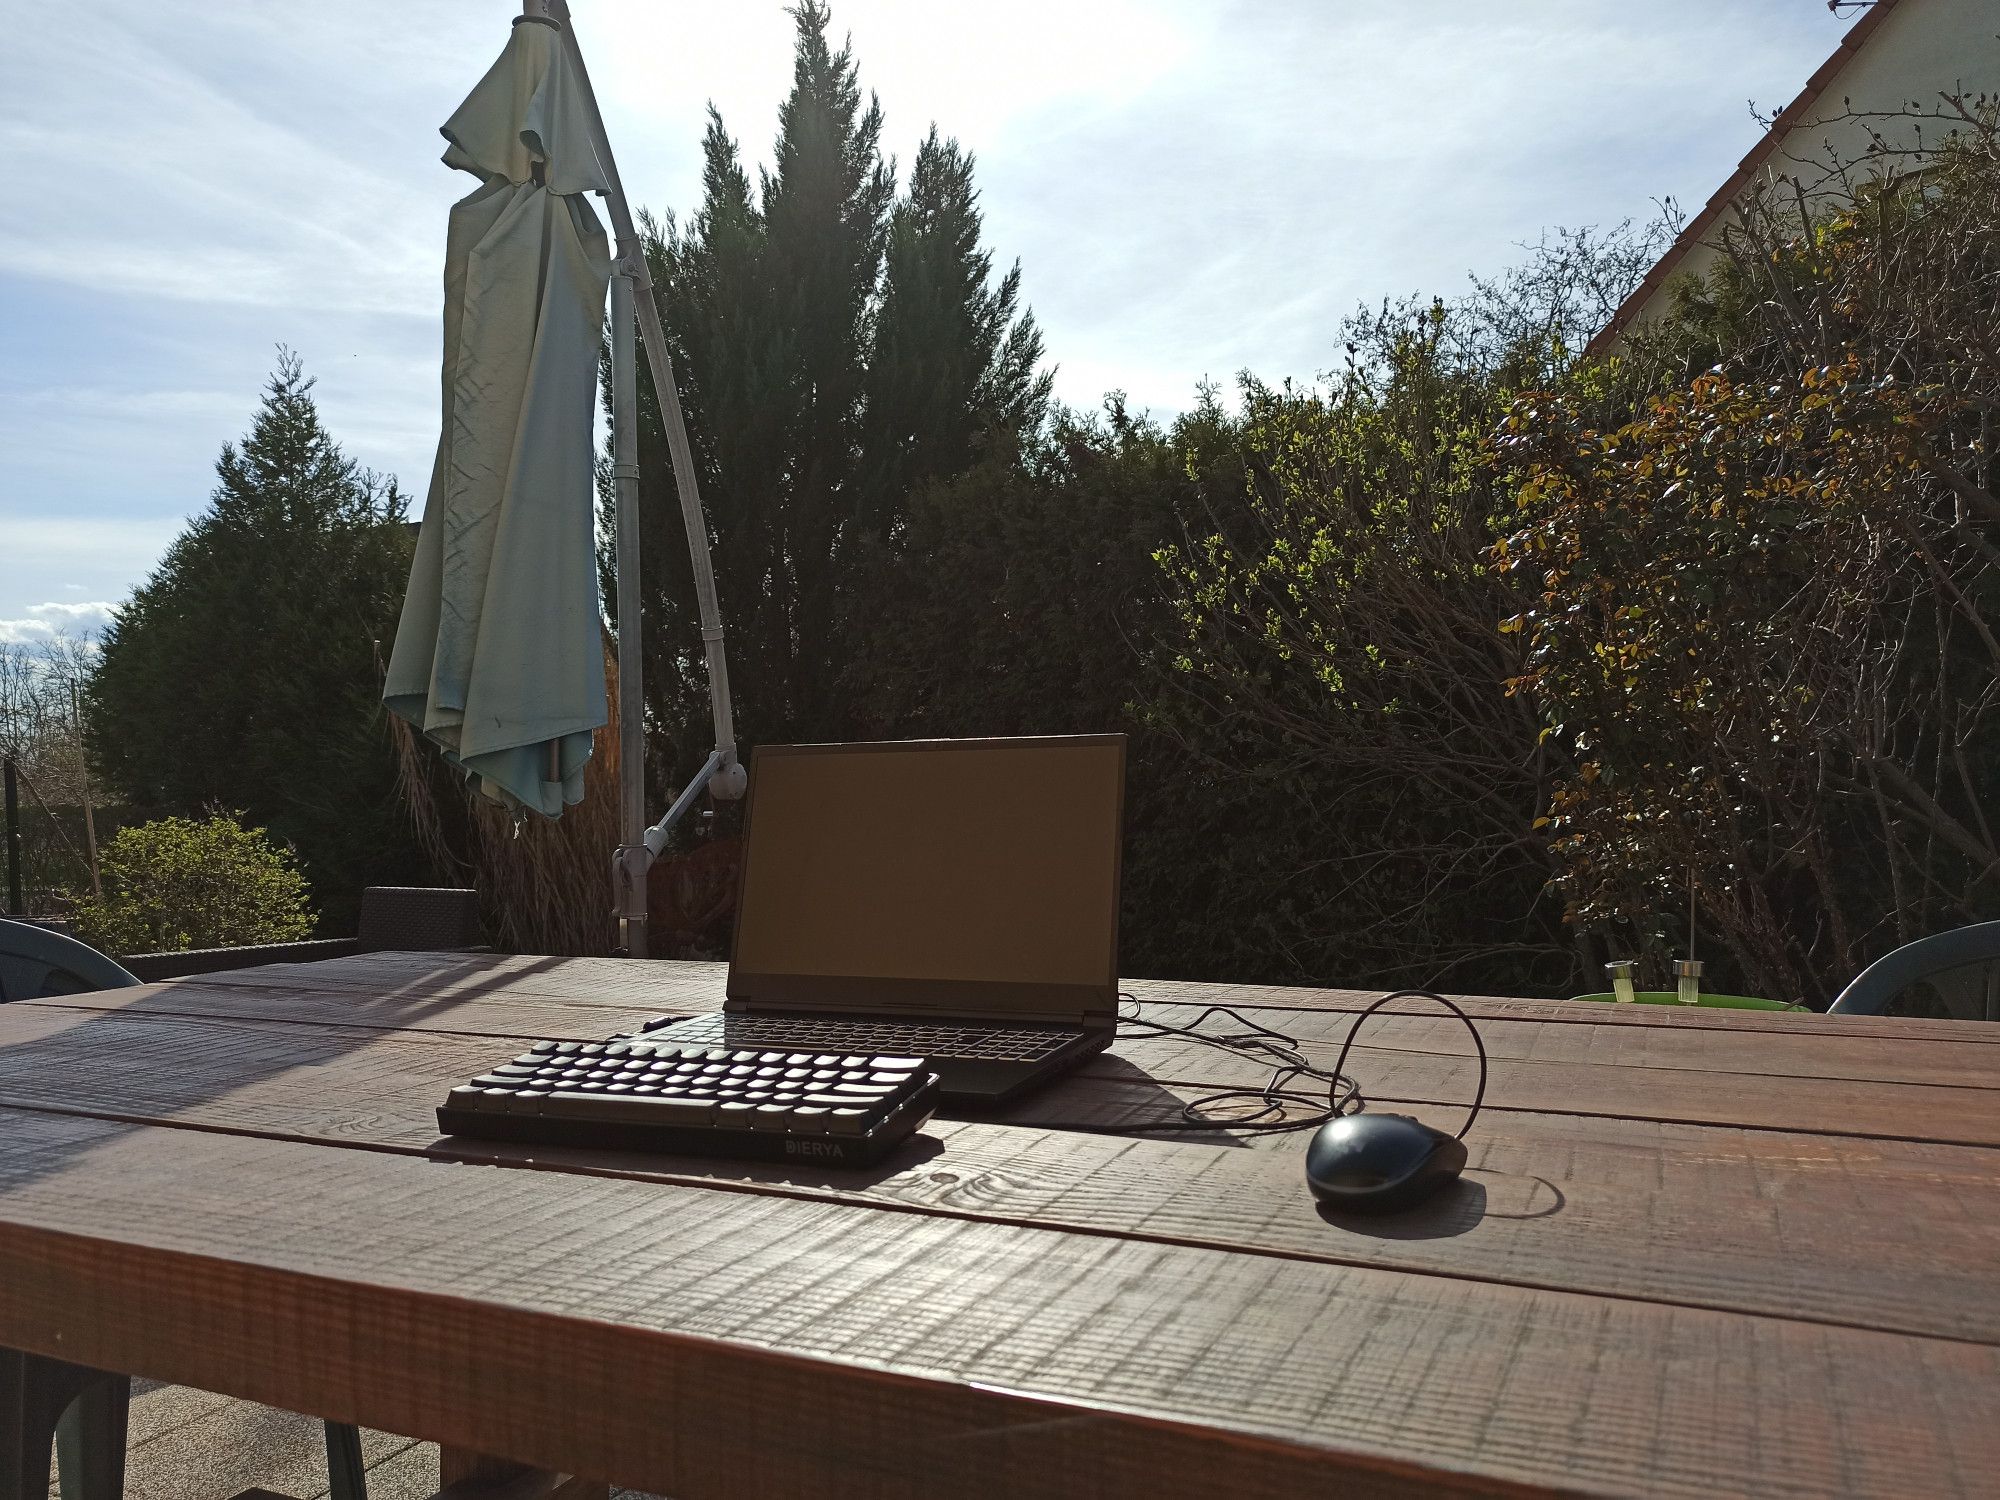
846 1109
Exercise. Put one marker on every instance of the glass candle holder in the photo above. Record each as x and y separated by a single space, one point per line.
1620 970
1687 980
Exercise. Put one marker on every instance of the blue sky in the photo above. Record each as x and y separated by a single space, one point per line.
1192 189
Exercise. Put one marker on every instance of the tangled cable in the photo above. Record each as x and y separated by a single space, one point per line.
1262 1044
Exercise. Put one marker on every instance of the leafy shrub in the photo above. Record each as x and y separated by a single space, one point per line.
180 883
1762 609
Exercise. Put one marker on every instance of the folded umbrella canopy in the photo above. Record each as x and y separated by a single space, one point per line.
499 655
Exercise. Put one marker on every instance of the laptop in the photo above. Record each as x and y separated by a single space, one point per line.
954 900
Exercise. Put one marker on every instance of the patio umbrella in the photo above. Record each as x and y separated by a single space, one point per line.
499 655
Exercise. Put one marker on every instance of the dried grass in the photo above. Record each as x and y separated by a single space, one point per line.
544 885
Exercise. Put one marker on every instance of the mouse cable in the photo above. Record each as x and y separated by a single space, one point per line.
1479 1045
1261 1044
1254 1043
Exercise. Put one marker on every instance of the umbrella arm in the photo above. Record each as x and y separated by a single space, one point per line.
724 778
721 766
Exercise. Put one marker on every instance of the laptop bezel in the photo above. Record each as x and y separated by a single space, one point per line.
1088 1006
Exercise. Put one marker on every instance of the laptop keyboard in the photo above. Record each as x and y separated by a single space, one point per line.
1012 1044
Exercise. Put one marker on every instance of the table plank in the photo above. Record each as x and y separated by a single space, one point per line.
1770 1222
915 1355
1890 1110
669 985
511 1013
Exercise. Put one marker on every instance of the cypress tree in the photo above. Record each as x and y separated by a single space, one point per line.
245 673
819 388
952 362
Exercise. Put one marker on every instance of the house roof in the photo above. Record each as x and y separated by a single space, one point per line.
1698 227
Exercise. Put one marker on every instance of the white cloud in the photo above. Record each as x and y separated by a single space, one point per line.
48 621
94 616
1193 187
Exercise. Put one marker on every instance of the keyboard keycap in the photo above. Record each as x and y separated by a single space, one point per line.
847 1121
837 1101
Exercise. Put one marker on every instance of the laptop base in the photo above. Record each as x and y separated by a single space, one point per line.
979 1064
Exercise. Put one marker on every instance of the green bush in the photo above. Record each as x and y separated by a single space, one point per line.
178 883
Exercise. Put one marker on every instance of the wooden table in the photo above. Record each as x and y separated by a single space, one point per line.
1695 1253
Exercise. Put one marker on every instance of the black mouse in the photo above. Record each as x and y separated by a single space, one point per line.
1375 1163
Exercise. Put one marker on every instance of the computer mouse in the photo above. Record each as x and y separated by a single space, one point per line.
1377 1163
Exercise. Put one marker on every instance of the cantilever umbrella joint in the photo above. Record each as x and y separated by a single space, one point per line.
497 655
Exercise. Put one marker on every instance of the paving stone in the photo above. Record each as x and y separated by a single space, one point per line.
193 1445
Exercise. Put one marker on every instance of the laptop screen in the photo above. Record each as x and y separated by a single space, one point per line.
971 877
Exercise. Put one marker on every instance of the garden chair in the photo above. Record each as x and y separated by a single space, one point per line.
1953 975
44 1402
37 962
418 919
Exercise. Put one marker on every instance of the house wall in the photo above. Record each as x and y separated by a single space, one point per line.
1922 49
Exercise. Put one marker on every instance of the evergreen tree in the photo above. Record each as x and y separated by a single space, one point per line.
245 673
836 347
954 359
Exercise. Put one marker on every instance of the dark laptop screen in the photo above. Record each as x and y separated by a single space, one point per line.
968 876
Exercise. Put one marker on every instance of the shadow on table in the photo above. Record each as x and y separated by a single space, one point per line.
1456 1209
1111 1094
708 1171
91 1075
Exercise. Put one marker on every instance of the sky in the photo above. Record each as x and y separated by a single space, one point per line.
1193 188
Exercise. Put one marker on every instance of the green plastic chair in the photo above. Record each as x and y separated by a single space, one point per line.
84 1413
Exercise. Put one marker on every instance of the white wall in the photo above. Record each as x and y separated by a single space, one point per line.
1922 49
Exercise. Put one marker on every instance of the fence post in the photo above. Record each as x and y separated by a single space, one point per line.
16 903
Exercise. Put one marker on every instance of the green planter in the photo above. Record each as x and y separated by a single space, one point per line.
1718 1002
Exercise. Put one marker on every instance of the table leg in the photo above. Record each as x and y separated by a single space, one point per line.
347 1477
46 1403
90 1440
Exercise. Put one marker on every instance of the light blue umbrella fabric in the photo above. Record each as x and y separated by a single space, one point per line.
499 655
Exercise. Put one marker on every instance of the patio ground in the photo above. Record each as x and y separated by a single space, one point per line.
191 1445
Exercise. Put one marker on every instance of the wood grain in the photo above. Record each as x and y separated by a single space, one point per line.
1891 1110
1768 1222
671 986
1694 1252
472 1010
705 1344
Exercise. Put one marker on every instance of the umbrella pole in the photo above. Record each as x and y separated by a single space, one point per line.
630 864
722 774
